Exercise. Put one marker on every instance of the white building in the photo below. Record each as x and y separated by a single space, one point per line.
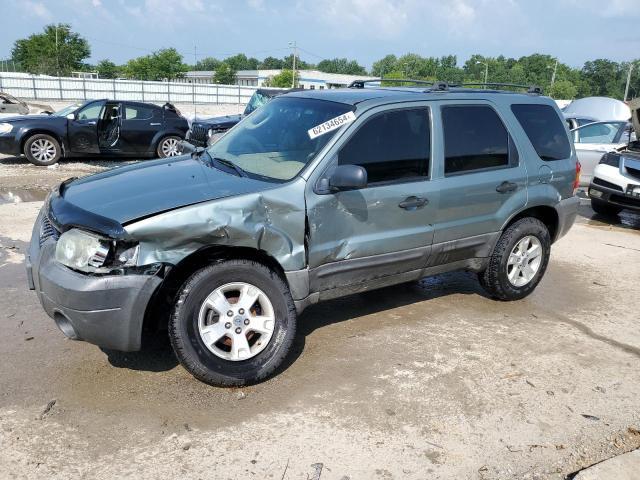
309 79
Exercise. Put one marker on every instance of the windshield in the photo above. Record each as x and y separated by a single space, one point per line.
67 110
257 100
274 142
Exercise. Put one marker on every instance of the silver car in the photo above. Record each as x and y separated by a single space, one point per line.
11 106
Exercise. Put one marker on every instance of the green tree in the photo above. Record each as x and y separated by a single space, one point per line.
165 64
604 77
384 66
241 62
224 74
108 69
341 65
283 80
207 64
41 54
271 63
287 63
563 90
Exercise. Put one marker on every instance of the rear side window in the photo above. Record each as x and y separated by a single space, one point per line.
545 130
474 139
391 146
135 112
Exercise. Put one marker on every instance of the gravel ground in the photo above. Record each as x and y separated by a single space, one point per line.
432 380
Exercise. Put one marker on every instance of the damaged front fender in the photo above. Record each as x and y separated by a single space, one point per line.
272 221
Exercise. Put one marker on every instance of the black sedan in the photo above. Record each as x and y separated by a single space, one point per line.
97 127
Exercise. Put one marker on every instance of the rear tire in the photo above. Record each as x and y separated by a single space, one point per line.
42 150
169 147
519 260
603 208
216 330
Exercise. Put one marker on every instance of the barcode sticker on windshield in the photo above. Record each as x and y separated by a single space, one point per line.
331 125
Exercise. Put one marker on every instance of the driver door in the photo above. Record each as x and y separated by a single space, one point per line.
82 129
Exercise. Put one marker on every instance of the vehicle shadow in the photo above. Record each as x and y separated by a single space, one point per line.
625 219
157 355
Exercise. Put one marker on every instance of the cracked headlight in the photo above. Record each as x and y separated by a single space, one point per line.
89 252
5 127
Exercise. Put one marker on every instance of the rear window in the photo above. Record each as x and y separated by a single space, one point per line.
545 130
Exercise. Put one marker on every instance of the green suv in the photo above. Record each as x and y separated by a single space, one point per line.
317 195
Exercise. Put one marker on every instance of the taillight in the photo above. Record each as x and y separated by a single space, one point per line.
576 183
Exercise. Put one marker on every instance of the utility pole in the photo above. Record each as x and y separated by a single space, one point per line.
57 56
295 54
553 75
193 86
626 89
486 72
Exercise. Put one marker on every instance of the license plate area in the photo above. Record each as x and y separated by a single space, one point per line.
633 190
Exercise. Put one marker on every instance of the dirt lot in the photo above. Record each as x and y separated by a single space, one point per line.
423 381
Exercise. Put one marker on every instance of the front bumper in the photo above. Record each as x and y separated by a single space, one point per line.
614 197
567 212
8 144
106 310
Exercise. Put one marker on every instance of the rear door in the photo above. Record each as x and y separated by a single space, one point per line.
140 124
82 131
481 180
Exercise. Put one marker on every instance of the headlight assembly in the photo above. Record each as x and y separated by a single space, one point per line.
5 127
91 253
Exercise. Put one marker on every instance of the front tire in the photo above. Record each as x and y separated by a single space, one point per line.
233 323
169 147
519 260
42 150
603 208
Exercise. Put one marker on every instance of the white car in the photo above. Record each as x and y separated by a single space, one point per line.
616 180
593 140
616 183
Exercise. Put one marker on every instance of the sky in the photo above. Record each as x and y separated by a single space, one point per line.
571 30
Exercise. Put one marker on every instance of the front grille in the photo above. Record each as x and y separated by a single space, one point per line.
198 133
604 183
47 231
634 172
629 201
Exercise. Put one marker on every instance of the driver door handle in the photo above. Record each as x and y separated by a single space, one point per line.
413 203
507 187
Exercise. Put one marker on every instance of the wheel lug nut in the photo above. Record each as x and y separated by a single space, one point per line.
230 313
227 325
241 311
238 330
246 321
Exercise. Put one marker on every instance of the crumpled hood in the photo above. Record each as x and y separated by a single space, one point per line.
128 193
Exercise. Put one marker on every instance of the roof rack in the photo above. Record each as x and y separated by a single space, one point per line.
441 86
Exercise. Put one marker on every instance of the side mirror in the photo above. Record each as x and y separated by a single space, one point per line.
186 147
71 116
348 177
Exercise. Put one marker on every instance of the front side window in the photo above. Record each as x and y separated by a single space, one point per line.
603 132
544 128
274 142
474 139
90 112
391 146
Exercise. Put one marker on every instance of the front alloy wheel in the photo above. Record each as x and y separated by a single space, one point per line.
524 261
42 150
233 323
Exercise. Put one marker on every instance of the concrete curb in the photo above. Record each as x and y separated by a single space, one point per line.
622 467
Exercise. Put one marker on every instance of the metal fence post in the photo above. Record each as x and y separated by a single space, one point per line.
168 92
193 92
60 87
35 91
84 88
239 101
142 86
114 88
0 83
217 95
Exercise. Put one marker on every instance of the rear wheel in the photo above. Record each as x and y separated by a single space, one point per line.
604 208
233 323
169 147
42 150
519 260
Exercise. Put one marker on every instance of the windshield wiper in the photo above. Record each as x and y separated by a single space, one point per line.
230 164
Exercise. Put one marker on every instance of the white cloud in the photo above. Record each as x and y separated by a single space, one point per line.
38 9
